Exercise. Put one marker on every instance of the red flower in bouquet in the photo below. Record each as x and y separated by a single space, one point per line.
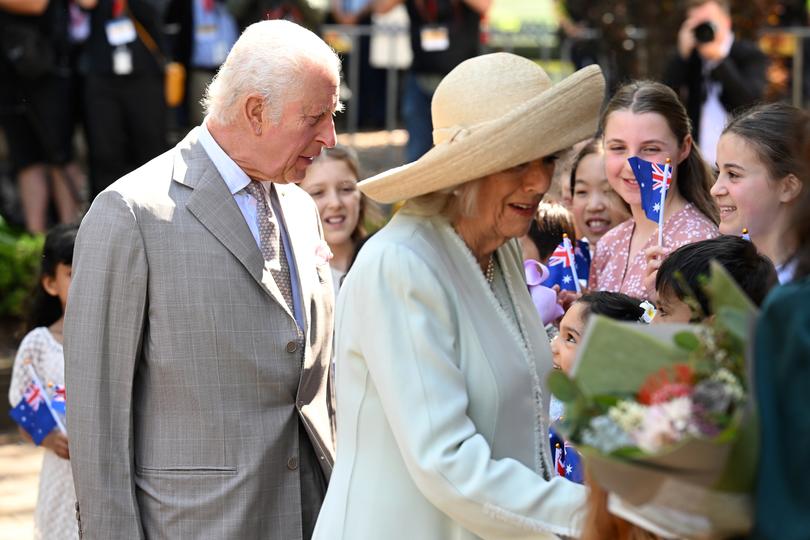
667 384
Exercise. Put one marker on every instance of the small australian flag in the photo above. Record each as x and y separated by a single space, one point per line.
650 178
559 267
32 413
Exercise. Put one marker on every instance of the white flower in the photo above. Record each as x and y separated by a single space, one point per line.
629 415
732 385
664 424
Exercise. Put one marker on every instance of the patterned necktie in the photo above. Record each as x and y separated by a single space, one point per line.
270 240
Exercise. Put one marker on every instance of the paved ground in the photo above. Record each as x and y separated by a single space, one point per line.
19 479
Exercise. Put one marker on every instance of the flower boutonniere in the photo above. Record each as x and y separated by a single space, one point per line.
322 253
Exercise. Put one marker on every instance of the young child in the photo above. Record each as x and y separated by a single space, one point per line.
564 350
596 208
645 119
41 349
680 276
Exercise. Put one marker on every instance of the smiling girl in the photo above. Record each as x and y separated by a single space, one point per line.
595 206
331 181
757 186
645 119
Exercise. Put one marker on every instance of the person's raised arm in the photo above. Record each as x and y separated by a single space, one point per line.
24 7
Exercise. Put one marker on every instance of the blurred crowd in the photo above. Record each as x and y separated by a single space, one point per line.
605 193
85 84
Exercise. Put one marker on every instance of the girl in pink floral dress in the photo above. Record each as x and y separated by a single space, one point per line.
645 119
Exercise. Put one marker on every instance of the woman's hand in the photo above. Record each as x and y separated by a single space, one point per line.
655 256
57 443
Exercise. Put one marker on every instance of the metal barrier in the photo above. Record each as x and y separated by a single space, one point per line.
354 33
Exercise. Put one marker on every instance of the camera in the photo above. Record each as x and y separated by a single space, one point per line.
704 32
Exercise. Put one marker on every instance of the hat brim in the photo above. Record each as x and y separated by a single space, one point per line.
555 119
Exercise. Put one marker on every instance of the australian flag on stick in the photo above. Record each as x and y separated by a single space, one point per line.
33 414
652 178
563 267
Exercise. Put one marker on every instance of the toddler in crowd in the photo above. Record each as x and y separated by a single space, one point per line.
616 306
41 353
679 283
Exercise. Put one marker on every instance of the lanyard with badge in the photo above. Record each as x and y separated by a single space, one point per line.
434 37
121 32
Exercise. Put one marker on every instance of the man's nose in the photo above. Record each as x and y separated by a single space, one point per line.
327 135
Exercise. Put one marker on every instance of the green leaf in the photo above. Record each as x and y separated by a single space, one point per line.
616 357
687 340
563 387
735 321
724 292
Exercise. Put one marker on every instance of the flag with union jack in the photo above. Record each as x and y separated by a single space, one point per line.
650 178
559 266
33 414
567 461
58 400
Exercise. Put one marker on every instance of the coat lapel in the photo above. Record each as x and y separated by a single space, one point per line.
214 207
301 244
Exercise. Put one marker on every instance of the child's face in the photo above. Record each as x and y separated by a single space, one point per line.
564 346
595 206
744 191
671 309
333 186
645 135
58 284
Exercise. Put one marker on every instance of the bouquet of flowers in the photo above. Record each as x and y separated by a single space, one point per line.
664 418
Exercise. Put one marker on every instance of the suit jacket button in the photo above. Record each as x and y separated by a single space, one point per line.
292 463
292 346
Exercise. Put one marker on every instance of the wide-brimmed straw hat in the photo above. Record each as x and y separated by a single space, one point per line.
490 113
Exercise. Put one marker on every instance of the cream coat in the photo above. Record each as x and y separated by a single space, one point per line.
442 412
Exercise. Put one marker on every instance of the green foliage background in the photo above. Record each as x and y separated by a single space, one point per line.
19 266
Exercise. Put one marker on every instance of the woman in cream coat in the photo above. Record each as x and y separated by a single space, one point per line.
442 425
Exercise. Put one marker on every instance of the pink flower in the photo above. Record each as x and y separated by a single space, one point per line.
323 254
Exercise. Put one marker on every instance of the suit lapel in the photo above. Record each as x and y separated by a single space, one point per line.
214 207
301 244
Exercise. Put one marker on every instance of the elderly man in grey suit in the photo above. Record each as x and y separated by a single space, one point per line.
198 337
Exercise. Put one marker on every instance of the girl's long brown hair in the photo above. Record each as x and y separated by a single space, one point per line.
695 177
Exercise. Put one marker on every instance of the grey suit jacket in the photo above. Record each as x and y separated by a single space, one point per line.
186 374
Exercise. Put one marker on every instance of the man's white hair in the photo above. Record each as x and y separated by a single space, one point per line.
269 58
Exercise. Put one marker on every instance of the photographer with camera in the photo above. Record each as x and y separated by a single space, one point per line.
714 72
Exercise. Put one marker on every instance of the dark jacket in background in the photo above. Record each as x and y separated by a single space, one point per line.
742 75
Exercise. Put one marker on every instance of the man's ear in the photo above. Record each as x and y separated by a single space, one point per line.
790 188
49 284
254 113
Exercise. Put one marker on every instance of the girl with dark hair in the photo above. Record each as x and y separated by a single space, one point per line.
618 306
41 352
781 374
758 182
595 206
646 119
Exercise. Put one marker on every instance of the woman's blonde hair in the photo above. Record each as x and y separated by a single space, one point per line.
459 200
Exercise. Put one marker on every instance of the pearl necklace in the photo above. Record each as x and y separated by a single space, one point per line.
489 274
